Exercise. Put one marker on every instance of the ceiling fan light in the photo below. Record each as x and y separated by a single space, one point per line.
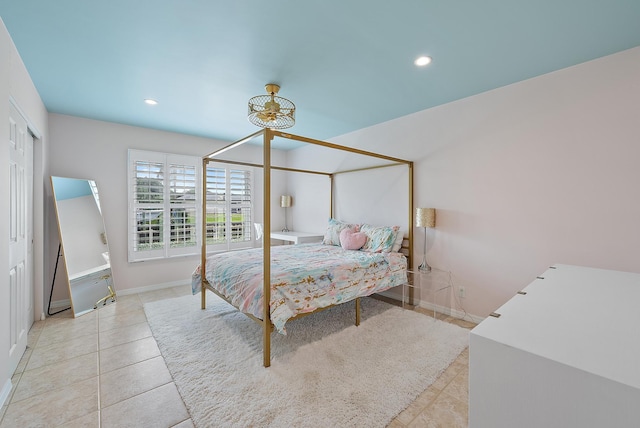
271 111
272 106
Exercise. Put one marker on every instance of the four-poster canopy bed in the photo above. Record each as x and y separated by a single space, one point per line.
279 298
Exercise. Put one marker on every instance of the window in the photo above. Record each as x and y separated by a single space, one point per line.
229 207
165 200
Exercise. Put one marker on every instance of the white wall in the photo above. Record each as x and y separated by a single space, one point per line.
90 149
377 196
540 172
311 205
15 83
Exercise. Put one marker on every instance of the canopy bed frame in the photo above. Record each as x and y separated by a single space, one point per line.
267 138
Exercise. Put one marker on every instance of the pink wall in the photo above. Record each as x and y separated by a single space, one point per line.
539 172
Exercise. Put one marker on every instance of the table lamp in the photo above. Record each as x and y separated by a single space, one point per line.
285 202
425 217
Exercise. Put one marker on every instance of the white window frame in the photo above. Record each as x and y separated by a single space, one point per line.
165 249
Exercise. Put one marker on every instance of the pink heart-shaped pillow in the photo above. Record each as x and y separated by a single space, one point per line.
351 239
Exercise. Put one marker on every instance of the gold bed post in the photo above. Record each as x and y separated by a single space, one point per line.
203 249
411 295
331 196
266 250
411 215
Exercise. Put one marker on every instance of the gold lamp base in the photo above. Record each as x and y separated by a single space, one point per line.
424 267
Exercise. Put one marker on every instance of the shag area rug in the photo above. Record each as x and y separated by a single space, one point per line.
325 372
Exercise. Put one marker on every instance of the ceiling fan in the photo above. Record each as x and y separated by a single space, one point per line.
271 111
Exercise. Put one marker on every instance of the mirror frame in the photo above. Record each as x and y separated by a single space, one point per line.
91 266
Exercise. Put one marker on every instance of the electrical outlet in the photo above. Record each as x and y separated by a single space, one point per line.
461 292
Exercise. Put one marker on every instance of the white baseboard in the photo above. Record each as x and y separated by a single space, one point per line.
440 309
451 312
59 304
152 287
4 393
467 316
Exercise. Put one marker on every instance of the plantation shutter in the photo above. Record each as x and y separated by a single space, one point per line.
216 208
240 188
164 206
183 235
163 198
229 207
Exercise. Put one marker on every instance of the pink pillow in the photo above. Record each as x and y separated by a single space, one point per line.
352 239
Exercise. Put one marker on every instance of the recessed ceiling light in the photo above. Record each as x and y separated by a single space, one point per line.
422 61
150 102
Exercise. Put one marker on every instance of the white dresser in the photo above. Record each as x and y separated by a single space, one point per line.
565 353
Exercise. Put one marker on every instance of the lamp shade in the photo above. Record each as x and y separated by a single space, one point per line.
285 201
425 217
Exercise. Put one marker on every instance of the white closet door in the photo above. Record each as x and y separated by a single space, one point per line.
21 235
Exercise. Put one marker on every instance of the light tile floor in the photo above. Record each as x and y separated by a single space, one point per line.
104 369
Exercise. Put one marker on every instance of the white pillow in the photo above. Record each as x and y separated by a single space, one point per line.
397 244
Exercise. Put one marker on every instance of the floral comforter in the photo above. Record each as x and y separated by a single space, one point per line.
304 278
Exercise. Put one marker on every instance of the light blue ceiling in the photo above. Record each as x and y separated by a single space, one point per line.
346 64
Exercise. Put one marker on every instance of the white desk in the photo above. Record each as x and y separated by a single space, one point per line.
297 237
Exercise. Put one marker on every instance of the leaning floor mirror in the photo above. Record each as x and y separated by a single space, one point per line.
84 244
